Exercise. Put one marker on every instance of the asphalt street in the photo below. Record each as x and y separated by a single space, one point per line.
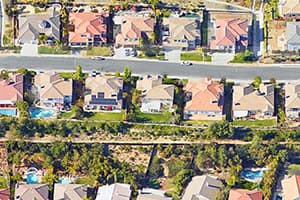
236 72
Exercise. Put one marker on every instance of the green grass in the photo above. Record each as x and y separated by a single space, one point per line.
243 57
105 116
67 75
99 51
294 169
3 182
37 10
154 117
65 115
195 56
255 123
52 50
198 122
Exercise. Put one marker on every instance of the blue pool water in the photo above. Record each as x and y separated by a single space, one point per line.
9 112
251 174
32 179
41 113
64 181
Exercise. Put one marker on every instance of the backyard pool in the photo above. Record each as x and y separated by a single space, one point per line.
41 113
32 179
64 180
9 112
252 175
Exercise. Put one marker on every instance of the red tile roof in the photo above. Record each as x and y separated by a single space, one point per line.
241 194
4 194
203 94
12 88
228 31
298 182
88 24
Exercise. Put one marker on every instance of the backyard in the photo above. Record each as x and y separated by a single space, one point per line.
255 123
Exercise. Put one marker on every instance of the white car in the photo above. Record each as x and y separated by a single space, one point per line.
97 58
186 63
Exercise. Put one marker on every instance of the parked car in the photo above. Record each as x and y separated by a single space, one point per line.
97 58
94 73
186 63
127 52
134 53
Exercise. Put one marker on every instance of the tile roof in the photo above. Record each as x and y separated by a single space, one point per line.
87 24
204 93
291 187
117 191
31 25
12 88
202 187
242 194
293 32
292 95
32 191
160 92
147 82
132 28
4 194
288 7
70 191
228 31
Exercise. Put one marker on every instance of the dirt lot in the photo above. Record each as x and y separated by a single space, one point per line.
227 15
277 39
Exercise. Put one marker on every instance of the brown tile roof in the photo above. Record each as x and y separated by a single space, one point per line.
291 187
204 93
161 92
289 7
241 194
4 194
228 31
12 88
70 191
32 191
88 24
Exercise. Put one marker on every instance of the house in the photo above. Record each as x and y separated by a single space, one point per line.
152 194
230 35
103 93
292 100
70 191
181 32
257 103
156 97
11 92
4 194
32 26
204 100
133 29
293 36
117 191
289 8
87 29
53 90
291 188
242 194
202 188
31 191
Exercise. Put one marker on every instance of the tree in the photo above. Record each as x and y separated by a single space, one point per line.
78 74
221 129
127 74
281 118
23 109
256 81
118 74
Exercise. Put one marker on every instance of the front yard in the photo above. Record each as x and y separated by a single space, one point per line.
52 50
195 56
99 51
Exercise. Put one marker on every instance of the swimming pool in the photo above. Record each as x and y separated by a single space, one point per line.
64 181
252 175
32 179
41 113
9 112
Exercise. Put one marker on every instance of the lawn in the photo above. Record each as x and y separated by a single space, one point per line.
3 182
195 56
67 75
294 169
99 51
255 123
105 116
65 115
52 50
198 122
153 117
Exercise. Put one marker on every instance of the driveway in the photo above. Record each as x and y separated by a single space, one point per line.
172 54
29 50
222 58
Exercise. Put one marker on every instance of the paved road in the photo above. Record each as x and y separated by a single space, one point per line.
236 72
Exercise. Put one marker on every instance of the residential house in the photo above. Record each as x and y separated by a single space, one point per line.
251 102
70 191
156 97
117 191
202 188
152 194
4 194
53 90
103 93
230 35
291 188
31 191
289 8
242 194
292 100
87 29
32 26
11 91
204 100
133 29
181 32
293 36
